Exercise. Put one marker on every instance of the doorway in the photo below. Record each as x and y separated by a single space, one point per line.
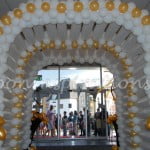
77 94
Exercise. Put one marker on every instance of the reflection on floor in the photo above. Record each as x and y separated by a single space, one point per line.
74 144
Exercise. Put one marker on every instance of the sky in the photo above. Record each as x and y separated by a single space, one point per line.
90 76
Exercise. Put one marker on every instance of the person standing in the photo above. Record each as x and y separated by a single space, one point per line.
80 119
51 121
98 123
64 123
75 123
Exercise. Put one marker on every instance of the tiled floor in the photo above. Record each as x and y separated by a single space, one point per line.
74 144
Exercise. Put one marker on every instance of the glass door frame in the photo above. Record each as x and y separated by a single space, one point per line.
86 105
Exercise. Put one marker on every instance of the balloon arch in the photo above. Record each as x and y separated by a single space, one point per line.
20 63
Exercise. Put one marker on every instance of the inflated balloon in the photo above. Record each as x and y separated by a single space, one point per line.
6 20
16 137
74 44
52 44
115 147
18 13
136 12
84 45
133 133
2 121
21 96
43 46
1 31
148 124
32 148
3 134
19 115
94 5
61 7
110 5
128 74
20 75
130 103
30 7
134 145
16 148
146 20
78 6
131 124
45 6
123 7
18 126
95 44
63 45
131 115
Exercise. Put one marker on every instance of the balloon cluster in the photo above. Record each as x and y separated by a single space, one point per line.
147 125
2 130
41 116
112 118
115 147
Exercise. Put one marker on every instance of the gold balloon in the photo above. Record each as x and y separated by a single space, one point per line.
2 121
21 67
74 44
30 7
21 96
45 6
35 49
26 60
78 6
130 93
96 44
94 5
61 8
29 54
1 31
52 44
43 46
63 45
32 148
19 115
19 85
134 145
18 13
115 147
128 75
3 134
20 75
136 12
16 148
16 137
147 125
123 7
18 126
84 45
146 20
130 103
131 124
133 133
18 105
131 115
116 55
110 5
6 20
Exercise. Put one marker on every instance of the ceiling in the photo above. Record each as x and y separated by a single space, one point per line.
6 5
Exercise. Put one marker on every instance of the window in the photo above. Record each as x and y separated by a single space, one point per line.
69 105
61 106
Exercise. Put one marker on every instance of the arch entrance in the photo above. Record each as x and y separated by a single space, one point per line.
113 34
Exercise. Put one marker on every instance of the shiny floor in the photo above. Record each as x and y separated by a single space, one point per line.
74 144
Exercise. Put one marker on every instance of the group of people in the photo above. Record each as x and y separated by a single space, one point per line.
74 123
